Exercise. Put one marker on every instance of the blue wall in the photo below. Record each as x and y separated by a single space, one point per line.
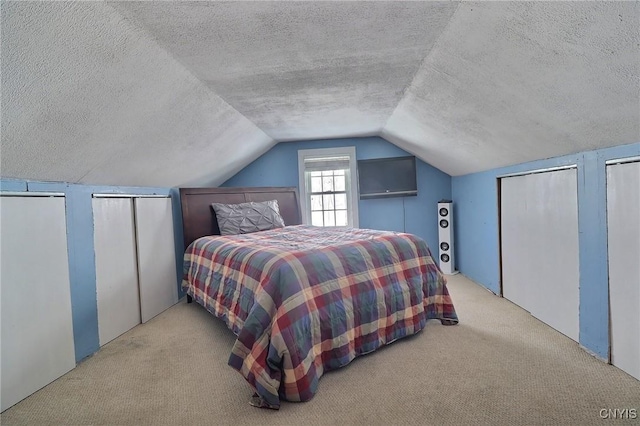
417 215
475 213
80 247
477 248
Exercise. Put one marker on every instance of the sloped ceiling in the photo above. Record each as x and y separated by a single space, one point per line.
188 93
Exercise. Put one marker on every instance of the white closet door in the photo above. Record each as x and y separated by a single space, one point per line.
37 331
156 256
539 228
116 270
512 210
623 217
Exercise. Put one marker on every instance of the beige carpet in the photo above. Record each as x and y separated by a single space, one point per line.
499 366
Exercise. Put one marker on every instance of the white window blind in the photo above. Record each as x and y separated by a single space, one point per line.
319 164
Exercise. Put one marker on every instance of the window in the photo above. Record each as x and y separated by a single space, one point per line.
327 196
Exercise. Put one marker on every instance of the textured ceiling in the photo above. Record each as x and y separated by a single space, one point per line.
300 70
188 93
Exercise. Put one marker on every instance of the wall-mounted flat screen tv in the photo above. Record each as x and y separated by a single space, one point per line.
387 177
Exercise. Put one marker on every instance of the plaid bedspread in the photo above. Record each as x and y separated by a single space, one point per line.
304 300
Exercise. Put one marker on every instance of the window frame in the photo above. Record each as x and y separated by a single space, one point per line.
350 182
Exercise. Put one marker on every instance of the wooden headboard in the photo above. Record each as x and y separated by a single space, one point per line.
198 218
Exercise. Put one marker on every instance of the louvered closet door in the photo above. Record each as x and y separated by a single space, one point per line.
539 240
37 329
623 217
156 256
116 269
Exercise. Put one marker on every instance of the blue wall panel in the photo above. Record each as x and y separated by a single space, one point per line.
594 272
82 272
178 236
13 185
418 215
475 214
477 246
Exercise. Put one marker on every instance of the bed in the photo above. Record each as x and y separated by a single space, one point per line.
304 300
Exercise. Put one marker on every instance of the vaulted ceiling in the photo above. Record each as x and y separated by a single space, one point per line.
188 93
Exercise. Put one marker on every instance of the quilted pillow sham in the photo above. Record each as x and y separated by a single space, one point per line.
248 217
